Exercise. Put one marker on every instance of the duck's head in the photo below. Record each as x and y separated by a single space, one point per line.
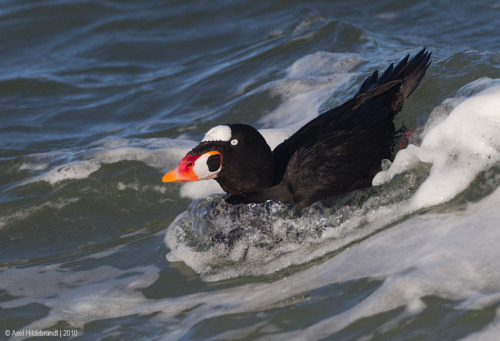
235 155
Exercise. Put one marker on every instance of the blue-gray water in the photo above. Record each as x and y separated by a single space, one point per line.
98 99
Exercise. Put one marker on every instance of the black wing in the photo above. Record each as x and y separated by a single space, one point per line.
378 100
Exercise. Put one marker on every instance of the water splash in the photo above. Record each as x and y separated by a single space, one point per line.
222 241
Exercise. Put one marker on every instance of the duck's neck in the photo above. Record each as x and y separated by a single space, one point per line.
243 179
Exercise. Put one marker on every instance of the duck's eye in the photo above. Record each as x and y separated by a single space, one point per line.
234 142
189 165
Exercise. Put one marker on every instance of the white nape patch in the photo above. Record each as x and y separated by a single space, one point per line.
219 133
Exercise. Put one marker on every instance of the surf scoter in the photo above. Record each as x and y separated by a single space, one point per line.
337 152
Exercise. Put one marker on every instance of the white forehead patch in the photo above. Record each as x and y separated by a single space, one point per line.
219 133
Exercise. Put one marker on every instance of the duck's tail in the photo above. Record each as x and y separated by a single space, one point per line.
410 73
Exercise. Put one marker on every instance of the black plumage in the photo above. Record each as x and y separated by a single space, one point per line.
337 152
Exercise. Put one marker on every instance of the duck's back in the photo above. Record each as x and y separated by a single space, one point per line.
339 159
378 99
342 149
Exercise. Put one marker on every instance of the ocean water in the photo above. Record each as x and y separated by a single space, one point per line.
98 99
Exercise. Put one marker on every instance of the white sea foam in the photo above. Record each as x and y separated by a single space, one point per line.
162 154
106 292
453 256
34 166
156 153
458 146
449 255
6 218
42 161
464 144
310 81
71 170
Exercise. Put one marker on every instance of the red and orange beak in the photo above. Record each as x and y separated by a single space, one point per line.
189 170
184 171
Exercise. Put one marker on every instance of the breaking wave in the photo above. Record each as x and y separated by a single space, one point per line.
222 241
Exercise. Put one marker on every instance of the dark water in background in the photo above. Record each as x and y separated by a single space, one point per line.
99 98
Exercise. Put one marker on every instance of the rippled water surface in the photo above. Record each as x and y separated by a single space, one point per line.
99 98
